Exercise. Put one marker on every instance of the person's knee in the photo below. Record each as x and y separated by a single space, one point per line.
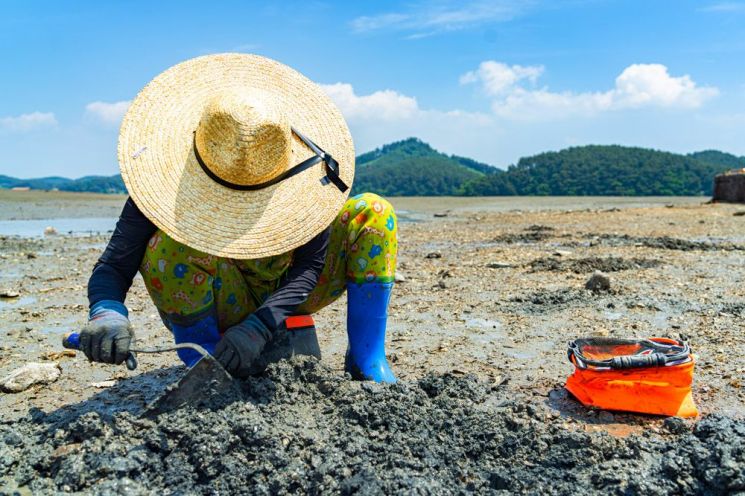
177 277
370 201
164 252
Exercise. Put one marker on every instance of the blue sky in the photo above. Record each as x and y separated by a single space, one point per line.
493 80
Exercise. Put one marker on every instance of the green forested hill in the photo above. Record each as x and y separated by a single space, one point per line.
92 184
726 160
413 168
602 170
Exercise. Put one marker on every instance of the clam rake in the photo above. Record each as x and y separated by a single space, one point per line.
205 380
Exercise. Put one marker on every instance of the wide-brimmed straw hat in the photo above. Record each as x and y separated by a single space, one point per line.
236 155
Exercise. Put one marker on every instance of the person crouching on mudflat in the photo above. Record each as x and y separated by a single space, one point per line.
238 169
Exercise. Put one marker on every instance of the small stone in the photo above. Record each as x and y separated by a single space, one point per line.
434 254
499 265
562 253
28 375
675 425
598 281
9 293
441 214
56 355
50 231
739 213
66 449
606 417
103 384
399 277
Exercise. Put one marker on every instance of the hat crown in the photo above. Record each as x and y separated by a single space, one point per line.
243 138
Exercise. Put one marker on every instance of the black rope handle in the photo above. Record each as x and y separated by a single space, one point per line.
656 359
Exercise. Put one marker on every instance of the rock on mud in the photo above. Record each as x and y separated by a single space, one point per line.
9 293
499 265
598 281
28 375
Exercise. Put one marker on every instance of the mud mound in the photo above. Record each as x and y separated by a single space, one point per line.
591 264
664 243
532 234
548 300
525 237
734 309
540 228
303 429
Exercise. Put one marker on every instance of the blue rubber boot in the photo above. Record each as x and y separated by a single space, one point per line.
202 331
367 313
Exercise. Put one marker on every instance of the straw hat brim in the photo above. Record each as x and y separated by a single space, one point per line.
166 182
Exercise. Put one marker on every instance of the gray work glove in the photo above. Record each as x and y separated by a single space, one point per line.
107 337
241 345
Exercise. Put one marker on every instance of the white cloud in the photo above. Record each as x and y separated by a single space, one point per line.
109 113
386 105
385 116
725 7
639 85
372 23
428 18
27 122
651 84
498 77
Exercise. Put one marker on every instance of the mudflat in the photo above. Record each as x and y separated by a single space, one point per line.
492 291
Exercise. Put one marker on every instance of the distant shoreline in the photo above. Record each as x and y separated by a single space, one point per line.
39 205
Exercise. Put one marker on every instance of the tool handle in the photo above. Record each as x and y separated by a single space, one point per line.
71 341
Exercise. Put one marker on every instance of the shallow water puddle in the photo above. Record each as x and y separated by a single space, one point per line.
35 227
16 302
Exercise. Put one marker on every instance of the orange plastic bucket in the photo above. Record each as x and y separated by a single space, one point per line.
635 375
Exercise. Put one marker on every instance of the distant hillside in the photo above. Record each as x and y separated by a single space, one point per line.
726 160
413 168
92 184
604 170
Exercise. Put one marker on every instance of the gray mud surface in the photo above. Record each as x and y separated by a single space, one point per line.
665 242
476 336
302 428
591 264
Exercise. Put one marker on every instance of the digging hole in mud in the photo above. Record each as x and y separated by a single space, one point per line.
303 428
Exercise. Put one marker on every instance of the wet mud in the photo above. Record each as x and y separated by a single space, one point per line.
532 234
477 338
302 428
591 264
664 242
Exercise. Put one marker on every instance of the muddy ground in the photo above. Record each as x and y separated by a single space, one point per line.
477 335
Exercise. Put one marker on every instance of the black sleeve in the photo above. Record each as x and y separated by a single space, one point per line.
299 281
113 273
